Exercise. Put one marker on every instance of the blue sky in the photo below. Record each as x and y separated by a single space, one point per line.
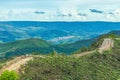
60 10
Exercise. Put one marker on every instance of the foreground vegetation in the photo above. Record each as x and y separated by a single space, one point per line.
95 66
9 75
91 67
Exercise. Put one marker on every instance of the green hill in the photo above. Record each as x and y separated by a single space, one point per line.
71 47
22 47
28 46
96 66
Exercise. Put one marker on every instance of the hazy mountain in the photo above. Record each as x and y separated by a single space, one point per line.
56 32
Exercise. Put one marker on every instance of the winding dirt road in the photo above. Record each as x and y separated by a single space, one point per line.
106 45
16 63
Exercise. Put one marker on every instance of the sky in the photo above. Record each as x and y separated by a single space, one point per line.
60 10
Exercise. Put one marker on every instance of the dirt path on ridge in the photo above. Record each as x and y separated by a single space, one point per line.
106 45
16 63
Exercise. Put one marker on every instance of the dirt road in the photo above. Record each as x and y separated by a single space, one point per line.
16 63
84 53
106 45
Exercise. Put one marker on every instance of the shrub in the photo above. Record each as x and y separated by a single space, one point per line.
9 75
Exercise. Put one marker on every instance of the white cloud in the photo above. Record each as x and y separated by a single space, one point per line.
52 8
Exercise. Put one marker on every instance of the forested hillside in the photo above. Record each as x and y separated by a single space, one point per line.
39 46
96 66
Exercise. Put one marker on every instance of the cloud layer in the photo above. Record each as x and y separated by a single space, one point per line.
62 10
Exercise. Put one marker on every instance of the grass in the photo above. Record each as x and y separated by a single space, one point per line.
91 67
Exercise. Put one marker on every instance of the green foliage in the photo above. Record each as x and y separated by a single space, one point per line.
9 75
94 66
22 47
71 47
83 49
35 45
54 53
35 53
116 48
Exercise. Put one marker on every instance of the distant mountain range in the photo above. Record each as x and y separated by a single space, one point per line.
55 32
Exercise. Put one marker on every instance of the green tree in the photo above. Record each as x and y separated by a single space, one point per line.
83 49
54 53
9 75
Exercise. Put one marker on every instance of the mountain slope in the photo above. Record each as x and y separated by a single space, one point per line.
71 47
28 46
22 47
94 66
